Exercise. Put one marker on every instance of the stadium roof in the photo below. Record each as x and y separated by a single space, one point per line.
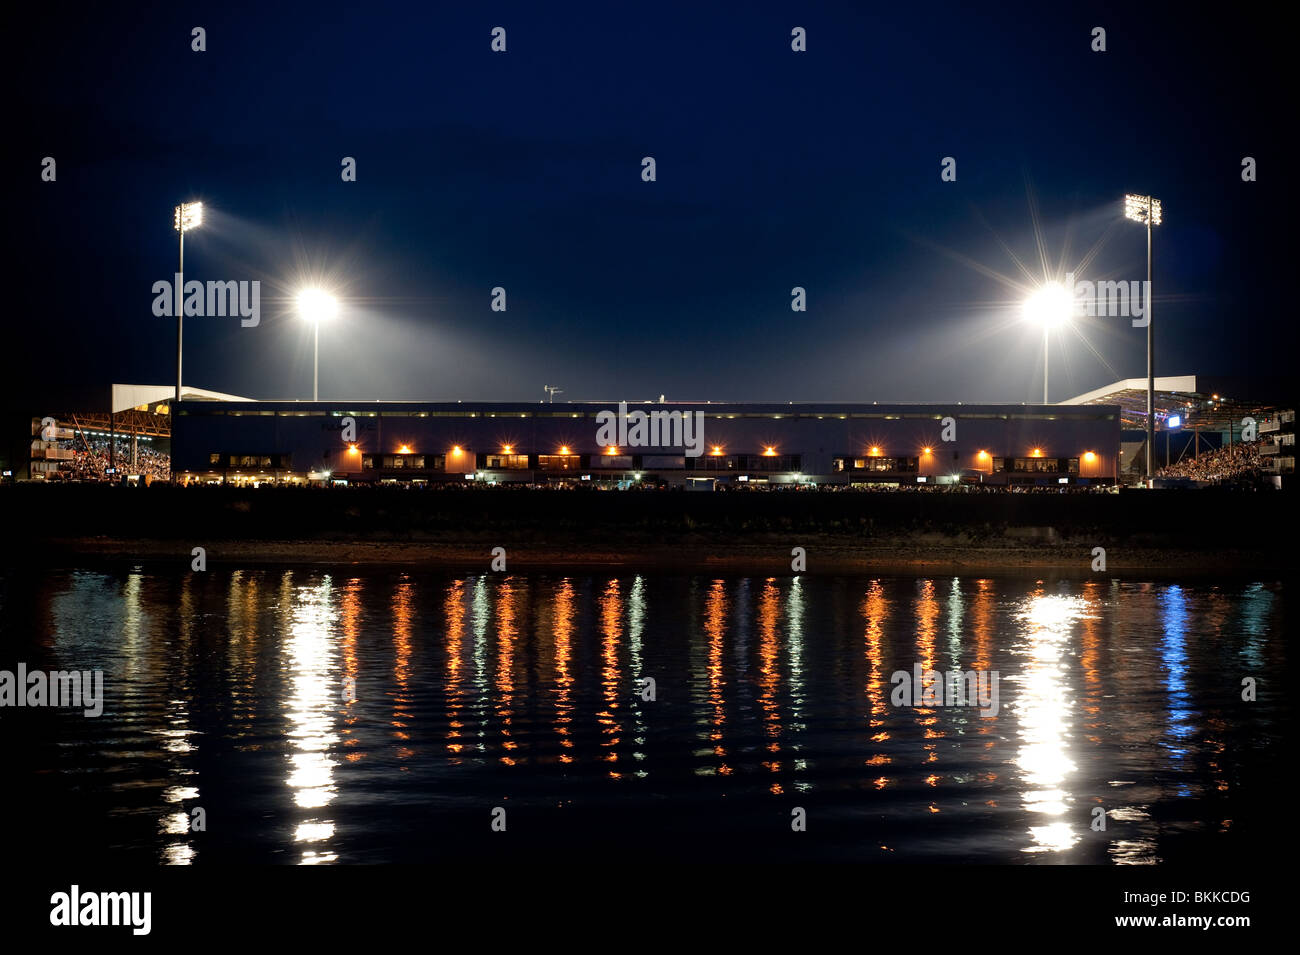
1174 395
157 398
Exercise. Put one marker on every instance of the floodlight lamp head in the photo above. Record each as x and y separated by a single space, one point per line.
1050 305
187 216
316 305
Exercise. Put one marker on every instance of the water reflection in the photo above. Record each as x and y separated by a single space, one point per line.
714 715
310 711
372 704
612 690
1043 709
564 624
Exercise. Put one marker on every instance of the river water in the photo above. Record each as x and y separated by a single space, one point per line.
300 716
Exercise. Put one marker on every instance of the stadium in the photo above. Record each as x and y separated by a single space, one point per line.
1095 440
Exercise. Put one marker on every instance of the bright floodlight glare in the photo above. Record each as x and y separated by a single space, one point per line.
315 305
187 216
1137 207
1050 305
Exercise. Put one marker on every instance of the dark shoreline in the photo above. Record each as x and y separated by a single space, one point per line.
745 559
1165 534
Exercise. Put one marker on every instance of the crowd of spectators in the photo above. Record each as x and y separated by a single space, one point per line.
91 462
1239 463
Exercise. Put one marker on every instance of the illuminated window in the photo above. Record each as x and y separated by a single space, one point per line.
558 462
1039 465
403 462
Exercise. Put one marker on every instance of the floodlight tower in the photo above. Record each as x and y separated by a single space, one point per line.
1049 306
315 306
1146 209
186 216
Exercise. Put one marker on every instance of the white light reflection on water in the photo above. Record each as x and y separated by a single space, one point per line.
1043 708
795 667
635 625
1112 695
311 710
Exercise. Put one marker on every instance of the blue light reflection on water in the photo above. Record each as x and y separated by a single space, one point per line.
229 693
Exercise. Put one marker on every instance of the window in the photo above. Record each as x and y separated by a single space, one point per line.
557 462
404 462
664 461
714 462
764 462
1038 465
506 462
248 460
877 464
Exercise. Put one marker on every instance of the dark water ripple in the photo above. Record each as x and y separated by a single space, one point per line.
225 692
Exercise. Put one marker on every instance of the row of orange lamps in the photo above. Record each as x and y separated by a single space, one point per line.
716 451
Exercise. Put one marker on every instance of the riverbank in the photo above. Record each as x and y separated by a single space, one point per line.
749 557
1152 533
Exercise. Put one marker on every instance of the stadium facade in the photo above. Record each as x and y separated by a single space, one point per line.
538 443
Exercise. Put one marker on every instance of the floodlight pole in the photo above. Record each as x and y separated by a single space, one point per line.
180 294
1045 334
1151 355
315 363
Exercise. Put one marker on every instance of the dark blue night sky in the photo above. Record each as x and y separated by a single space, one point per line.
775 169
